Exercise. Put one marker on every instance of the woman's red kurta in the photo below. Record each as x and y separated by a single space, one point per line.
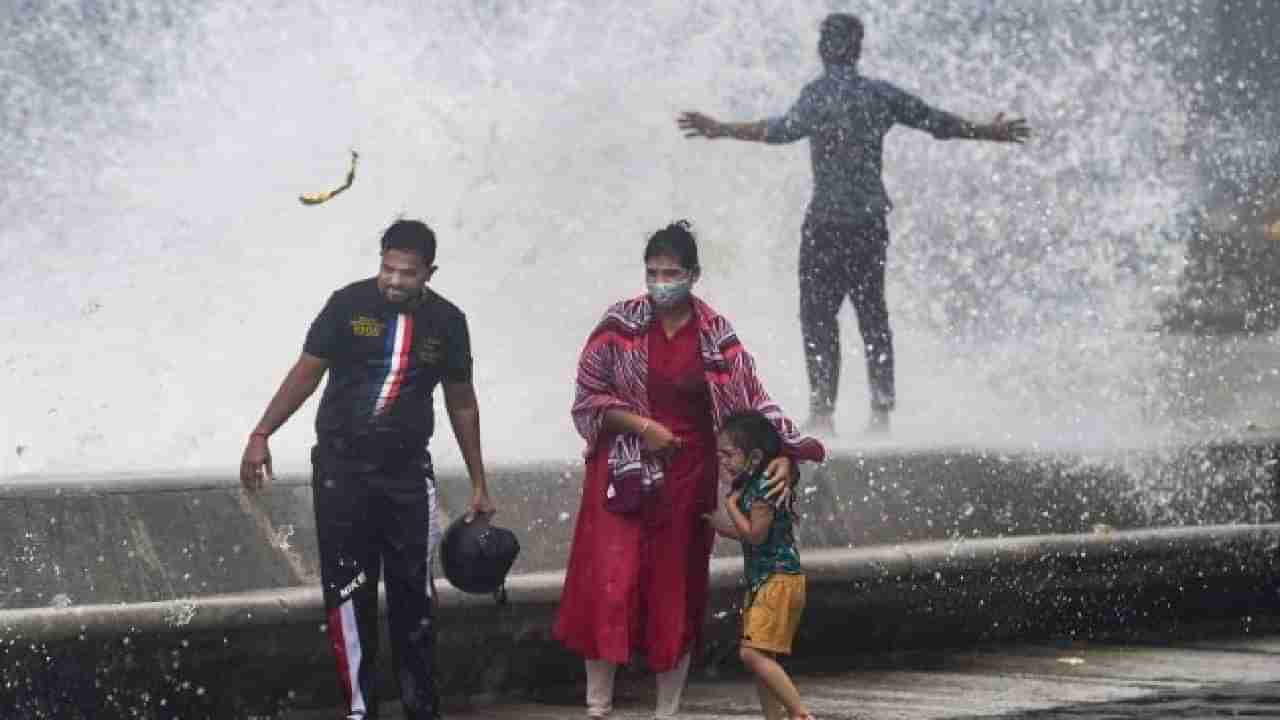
637 584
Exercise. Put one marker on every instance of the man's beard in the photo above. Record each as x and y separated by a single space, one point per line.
399 296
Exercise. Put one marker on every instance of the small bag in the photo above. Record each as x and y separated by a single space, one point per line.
634 478
628 493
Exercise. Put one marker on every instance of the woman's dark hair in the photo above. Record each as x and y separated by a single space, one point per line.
751 430
675 241
411 236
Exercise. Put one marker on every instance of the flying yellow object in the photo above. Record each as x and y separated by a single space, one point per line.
317 198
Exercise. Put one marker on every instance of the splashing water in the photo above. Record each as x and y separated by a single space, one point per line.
180 613
161 273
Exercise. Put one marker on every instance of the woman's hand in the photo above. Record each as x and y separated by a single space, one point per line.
781 477
659 440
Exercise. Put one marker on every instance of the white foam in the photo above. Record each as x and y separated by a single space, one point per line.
161 273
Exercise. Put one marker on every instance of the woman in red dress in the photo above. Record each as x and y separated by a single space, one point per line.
654 379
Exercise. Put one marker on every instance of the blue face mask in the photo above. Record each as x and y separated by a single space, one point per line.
669 294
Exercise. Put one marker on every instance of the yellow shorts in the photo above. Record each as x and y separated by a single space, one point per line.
771 615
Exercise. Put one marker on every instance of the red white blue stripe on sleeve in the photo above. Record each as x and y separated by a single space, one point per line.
398 347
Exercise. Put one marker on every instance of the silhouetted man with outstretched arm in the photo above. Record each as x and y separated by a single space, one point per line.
846 116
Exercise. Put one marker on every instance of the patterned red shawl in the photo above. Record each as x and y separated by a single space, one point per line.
613 373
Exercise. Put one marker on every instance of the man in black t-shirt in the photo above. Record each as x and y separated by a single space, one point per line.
386 342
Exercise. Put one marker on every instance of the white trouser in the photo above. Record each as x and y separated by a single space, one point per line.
600 674
435 531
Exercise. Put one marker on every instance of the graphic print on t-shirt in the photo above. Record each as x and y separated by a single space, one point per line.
398 347
385 360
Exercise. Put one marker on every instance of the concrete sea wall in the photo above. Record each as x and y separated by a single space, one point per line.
73 541
184 595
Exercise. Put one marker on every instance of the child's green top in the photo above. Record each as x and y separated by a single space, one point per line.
777 554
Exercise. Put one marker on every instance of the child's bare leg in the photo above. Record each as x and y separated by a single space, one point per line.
775 679
773 709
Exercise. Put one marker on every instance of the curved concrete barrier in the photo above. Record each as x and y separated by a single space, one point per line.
259 653
87 541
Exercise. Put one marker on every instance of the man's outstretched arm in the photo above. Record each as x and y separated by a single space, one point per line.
1014 130
302 380
801 119
695 124
1001 129
916 113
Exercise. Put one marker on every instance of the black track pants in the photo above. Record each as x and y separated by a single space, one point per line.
839 261
372 519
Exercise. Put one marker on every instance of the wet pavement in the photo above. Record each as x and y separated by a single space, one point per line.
1256 700
1207 679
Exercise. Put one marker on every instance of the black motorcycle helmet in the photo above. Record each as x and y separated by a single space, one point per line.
477 555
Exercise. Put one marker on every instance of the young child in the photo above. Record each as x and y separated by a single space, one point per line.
775 592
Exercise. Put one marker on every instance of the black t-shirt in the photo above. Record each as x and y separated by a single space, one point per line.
385 360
